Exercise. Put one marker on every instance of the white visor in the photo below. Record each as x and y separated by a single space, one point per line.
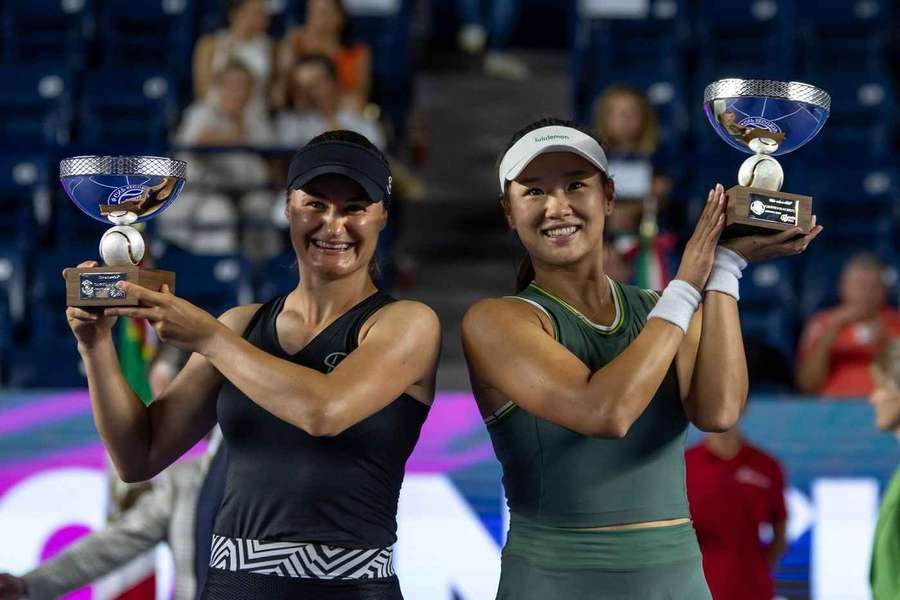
555 138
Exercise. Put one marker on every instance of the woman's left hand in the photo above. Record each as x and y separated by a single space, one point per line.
763 247
176 321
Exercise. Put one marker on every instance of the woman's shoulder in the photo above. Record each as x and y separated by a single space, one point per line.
408 312
498 314
239 317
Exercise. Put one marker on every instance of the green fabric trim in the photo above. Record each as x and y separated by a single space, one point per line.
618 298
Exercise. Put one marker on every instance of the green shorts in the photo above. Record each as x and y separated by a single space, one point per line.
662 563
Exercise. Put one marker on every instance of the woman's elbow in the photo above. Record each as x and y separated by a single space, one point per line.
613 425
323 423
720 420
133 473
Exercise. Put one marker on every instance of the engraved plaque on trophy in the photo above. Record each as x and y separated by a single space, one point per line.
765 118
122 191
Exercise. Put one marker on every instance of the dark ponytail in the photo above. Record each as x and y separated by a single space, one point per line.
525 274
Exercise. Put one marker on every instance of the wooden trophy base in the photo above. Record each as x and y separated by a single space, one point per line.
96 286
758 211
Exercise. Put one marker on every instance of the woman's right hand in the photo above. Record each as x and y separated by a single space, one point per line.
89 327
697 259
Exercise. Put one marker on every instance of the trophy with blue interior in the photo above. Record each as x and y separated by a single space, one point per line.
765 119
121 191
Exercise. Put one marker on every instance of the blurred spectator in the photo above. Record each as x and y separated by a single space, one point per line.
244 40
164 514
615 265
736 490
317 106
204 219
885 571
494 32
626 122
839 344
326 32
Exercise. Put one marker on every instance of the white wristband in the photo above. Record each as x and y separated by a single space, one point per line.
677 304
726 272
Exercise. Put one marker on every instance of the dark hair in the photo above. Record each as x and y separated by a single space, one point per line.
351 137
230 6
526 270
346 34
318 59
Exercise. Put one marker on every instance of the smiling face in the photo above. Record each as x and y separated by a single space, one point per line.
334 226
558 206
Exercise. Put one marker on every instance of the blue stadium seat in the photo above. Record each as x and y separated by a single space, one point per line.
44 30
277 276
637 46
149 32
750 40
858 208
768 301
13 296
389 36
46 285
863 107
127 105
24 198
47 362
846 34
35 101
215 283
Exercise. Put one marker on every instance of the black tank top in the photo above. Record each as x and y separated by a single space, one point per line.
286 485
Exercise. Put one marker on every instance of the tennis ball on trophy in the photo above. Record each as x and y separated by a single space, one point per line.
121 246
761 171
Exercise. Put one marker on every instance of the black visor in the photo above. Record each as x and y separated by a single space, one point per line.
335 157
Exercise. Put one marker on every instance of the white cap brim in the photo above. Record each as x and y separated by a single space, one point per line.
554 138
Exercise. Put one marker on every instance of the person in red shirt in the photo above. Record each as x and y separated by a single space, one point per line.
839 344
734 489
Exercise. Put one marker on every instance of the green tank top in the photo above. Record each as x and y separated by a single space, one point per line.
557 477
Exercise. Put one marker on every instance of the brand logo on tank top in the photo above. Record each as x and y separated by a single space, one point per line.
333 360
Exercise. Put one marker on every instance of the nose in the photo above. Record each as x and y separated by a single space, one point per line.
333 222
557 205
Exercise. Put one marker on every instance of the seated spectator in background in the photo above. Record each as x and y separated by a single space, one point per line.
839 344
494 31
169 512
244 40
205 218
885 571
317 106
325 32
733 489
625 120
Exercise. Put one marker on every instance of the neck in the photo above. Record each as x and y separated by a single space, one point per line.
239 33
583 284
725 445
321 300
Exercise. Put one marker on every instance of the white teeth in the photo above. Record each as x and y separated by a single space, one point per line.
331 245
561 231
